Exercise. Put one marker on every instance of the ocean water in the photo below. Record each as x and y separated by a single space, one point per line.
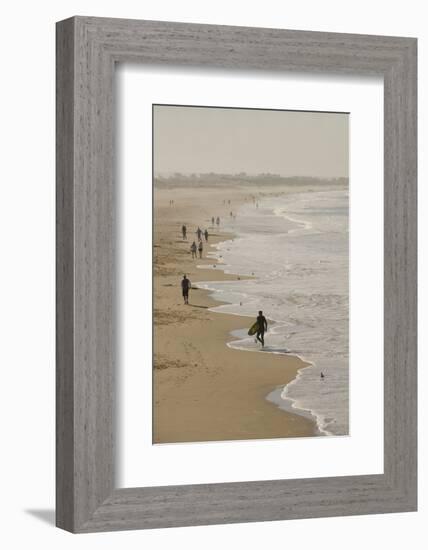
296 246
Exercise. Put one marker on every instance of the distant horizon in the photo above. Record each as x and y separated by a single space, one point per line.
167 175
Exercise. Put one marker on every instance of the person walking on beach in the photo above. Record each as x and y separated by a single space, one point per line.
185 287
262 328
184 232
193 249
199 233
200 248
206 235
212 221
218 220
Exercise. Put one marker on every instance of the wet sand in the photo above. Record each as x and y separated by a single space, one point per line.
204 390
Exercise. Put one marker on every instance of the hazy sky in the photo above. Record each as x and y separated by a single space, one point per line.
200 139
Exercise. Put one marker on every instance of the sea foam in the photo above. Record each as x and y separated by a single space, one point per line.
296 247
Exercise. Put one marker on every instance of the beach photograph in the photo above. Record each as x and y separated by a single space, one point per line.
250 274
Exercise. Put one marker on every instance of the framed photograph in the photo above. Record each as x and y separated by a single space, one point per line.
236 274
251 212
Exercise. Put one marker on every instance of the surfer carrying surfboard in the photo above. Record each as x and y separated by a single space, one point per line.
261 328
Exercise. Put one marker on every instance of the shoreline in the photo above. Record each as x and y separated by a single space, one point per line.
275 395
309 324
205 390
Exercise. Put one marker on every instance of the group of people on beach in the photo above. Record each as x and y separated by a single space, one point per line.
196 249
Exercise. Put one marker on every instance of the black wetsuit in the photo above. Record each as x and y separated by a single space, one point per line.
261 320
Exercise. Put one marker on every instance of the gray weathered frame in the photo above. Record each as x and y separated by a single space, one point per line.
87 50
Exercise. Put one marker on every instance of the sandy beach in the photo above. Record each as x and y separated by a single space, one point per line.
202 389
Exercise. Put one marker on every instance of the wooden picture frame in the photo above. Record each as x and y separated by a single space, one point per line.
87 50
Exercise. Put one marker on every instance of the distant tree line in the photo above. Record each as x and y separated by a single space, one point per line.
189 180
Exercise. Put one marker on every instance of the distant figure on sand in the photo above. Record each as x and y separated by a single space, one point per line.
218 220
199 233
262 328
200 248
193 249
206 235
184 232
185 287
212 220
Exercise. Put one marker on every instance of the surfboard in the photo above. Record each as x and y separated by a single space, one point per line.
253 329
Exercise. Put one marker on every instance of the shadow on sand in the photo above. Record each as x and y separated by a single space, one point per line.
276 350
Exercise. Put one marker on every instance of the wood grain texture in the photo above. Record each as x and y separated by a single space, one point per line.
87 50
64 276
